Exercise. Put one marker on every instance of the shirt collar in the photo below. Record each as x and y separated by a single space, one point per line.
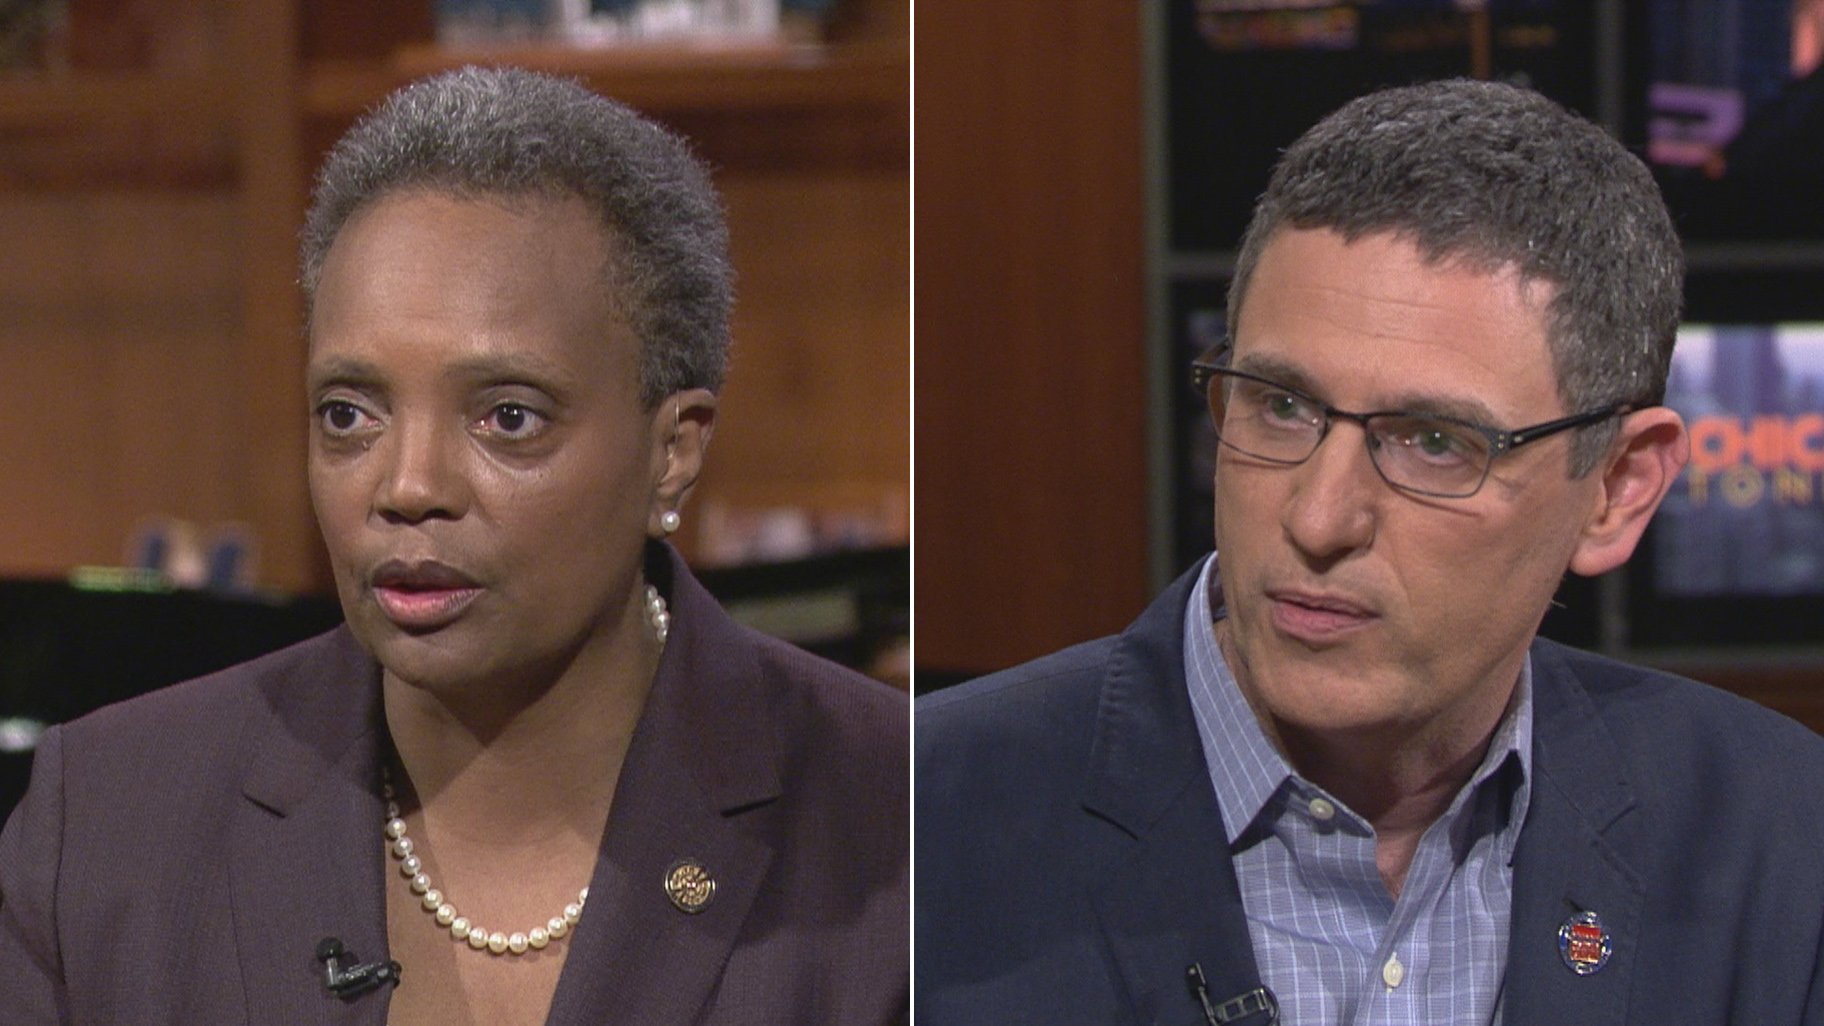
1247 770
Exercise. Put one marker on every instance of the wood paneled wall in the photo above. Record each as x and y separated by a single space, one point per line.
119 319
1030 312
150 339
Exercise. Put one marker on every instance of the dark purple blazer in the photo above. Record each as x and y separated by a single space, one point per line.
179 856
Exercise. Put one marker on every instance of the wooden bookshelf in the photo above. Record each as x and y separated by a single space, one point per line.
153 295
38 103
656 79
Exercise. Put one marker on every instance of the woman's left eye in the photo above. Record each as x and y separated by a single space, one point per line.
512 420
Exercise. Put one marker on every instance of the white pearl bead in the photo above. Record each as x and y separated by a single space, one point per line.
557 927
459 927
538 938
410 865
420 883
572 912
583 896
446 914
402 847
517 943
395 828
478 938
497 942
392 810
433 899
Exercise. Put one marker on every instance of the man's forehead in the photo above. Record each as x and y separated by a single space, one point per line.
1374 322
1403 397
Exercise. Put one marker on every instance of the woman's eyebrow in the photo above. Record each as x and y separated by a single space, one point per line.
513 367
342 370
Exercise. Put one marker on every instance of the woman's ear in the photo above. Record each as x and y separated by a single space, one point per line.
1648 453
681 428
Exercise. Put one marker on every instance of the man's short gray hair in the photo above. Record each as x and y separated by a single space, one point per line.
1498 176
513 133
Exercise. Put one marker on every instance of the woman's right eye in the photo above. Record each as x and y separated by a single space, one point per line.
340 417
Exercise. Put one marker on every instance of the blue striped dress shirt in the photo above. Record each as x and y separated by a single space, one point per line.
1330 941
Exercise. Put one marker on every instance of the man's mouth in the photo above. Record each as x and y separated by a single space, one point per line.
1316 618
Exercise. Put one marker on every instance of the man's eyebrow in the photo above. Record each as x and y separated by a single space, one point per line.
1455 407
1429 403
1279 372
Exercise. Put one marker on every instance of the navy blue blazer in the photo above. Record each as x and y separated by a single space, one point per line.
1071 862
178 856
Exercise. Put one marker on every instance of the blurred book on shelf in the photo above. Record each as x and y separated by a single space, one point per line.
33 35
470 23
730 535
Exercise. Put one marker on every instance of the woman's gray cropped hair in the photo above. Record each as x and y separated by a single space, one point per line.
1497 175
505 131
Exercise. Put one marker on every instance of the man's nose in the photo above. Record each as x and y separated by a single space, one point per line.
1336 495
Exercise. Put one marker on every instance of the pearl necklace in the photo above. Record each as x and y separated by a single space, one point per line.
478 937
657 615
433 900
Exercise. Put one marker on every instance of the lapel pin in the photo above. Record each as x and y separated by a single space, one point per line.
689 885
1584 943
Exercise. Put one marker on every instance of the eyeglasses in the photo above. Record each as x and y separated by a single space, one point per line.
1421 453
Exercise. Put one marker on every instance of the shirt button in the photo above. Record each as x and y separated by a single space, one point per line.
1322 809
1393 972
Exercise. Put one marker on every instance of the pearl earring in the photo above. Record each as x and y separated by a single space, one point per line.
669 521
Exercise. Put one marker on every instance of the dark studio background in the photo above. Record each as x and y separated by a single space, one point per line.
1083 179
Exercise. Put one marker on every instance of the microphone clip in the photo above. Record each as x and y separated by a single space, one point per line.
1241 1008
354 978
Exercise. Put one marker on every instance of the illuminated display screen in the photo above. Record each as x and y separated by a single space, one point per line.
1747 515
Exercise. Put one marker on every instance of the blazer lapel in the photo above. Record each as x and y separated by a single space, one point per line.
701 766
1171 899
1567 862
307 858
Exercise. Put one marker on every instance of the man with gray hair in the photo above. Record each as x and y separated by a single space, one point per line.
1340 779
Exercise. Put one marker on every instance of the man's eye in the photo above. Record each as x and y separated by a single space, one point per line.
1288 409
1436 443
1284 407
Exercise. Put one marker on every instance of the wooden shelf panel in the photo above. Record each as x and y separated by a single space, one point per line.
652 78
80 99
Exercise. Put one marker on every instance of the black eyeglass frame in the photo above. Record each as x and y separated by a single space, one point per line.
1215 362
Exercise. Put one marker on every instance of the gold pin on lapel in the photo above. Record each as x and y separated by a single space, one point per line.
689 885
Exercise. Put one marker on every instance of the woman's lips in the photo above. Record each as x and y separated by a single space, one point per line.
424 609
422 596
1316 620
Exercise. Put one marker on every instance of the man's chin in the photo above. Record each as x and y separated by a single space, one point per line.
1325 692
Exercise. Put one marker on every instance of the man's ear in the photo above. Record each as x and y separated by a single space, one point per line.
1646 457
681 427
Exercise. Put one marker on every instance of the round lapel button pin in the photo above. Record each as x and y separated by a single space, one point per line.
1584 943
689 885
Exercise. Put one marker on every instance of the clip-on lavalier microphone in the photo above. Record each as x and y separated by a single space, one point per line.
1259 1001
356 979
